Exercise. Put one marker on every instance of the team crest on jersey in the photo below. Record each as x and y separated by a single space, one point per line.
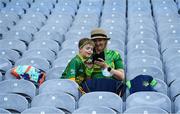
72 71
80 70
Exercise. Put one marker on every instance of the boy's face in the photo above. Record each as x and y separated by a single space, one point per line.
86 51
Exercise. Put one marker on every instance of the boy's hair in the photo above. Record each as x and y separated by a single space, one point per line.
85 41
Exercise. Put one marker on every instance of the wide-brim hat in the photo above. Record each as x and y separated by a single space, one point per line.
99 33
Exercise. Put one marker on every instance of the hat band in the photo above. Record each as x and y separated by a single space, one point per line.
95 35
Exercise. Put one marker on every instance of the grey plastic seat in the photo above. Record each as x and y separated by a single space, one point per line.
145 109
60 85
143 52
177 104
50 35
37 62
170 42
59 100
170 53
35 15
20 3
13 44
144 61
41 53
14 102
149 99
174 89
4 111
18 34
147 42
15 9
153 71
172 62
22 87
67 52
172 74
5 65
116 43
43 109
94 110
62 61
101 99
54 73
45 44
9 54
8 75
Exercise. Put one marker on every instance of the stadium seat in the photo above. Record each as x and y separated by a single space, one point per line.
56 36
41 53
54 73
13 102
43 110
5 65
144 61
153 71
19 35
145 110
59 100
101 99
60 85
21 87
45 44
149 99
9 54
94 110
174 89
4 111
177 104
37 62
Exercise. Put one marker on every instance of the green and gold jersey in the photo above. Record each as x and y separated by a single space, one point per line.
112 59
77 70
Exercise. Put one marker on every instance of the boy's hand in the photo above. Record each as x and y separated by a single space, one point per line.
89 64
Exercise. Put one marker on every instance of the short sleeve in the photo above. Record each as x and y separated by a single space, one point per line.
118 61
70 71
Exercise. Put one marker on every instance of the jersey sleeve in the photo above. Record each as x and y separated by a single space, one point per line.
118 62
70 71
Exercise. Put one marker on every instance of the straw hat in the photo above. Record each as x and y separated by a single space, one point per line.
99 33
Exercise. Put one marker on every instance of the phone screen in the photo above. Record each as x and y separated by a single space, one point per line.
96 56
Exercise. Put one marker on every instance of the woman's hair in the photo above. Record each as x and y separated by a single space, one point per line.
85 41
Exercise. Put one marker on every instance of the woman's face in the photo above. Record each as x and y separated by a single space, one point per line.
100 44
86 51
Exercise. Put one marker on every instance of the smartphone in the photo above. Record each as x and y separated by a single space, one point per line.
96 56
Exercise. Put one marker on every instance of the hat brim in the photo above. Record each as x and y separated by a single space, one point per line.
99 37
